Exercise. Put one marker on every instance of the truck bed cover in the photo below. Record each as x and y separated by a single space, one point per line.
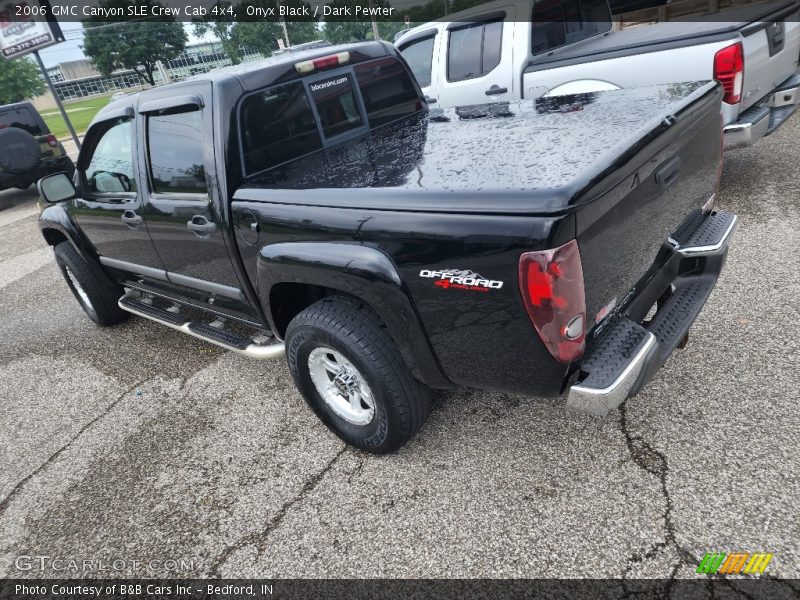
522 159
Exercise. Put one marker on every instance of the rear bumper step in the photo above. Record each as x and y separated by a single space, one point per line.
760 121
133 303
627 354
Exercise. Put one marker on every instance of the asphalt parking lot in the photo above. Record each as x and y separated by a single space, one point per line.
141 444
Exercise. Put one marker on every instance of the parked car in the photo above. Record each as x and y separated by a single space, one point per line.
321 211
524 49
28 151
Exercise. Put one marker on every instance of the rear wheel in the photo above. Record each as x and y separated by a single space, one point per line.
95 292
352 375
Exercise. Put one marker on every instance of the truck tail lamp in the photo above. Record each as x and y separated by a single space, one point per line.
729 71
323 62
551 283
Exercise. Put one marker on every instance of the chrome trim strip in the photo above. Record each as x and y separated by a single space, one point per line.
599 402
254 351
122 265
207 286
714 248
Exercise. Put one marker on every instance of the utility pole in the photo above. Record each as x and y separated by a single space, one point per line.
57 99
285 32
375 35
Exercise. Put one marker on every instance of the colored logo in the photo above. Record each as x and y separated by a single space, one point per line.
735 563
461 280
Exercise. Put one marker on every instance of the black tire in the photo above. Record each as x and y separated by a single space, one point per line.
19 150
401 403
102 294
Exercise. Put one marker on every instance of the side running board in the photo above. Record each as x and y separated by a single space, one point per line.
135 303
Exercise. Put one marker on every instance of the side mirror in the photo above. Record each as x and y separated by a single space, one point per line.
56 188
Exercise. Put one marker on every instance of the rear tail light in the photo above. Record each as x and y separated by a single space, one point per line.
51 139
729 71
323 62
551 283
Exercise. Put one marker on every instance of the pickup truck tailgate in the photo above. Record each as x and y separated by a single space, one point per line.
622 228
771 49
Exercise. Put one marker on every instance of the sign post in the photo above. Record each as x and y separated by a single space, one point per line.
19 37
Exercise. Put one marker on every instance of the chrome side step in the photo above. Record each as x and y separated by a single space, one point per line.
704 235
132 302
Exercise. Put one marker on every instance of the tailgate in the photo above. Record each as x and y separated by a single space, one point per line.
621 231
771 50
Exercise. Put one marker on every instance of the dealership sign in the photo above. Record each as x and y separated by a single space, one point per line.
25 28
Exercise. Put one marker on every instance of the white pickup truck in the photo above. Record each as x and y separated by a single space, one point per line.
520 49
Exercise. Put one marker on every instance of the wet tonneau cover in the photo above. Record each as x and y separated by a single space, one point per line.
501 158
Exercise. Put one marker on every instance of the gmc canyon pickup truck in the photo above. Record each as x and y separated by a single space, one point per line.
312 205
522 49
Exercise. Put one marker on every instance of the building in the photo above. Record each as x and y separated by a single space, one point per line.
80 79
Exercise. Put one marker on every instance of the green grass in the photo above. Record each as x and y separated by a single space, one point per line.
80 112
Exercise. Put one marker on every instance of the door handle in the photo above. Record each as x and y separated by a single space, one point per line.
667 172
496 89
430 100
131 219
201 225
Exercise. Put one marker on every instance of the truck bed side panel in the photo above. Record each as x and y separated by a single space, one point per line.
464 326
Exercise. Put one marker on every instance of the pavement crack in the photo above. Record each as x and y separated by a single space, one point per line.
6 502
259 539
654 462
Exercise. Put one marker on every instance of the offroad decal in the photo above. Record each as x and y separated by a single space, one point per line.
461 280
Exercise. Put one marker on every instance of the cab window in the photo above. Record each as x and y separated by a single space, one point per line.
387 90
277 125
419 56
110 169
474 50
556 24
175 147
336 104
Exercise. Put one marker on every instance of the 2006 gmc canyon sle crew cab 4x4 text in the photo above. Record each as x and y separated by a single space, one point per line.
311 204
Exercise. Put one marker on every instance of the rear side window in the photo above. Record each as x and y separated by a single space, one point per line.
175 145
277 125
285 122
387 90
21 117
473 51
336 104
419 56
556 24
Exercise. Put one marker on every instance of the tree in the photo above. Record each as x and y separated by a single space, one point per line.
19 80
222 26
129 44
344 29
262 35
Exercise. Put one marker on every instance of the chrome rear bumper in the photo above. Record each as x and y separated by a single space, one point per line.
759 121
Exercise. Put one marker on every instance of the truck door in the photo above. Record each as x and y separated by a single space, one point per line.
177 160
109 206
477 60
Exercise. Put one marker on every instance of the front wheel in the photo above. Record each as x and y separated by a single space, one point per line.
97 294
353 376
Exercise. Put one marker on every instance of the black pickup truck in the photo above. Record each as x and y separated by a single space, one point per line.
312 205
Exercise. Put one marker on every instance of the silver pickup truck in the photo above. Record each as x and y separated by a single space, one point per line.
521 49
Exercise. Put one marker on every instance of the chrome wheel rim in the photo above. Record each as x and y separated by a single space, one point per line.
79 289
341 386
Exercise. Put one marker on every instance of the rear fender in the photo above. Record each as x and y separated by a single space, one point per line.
359 271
